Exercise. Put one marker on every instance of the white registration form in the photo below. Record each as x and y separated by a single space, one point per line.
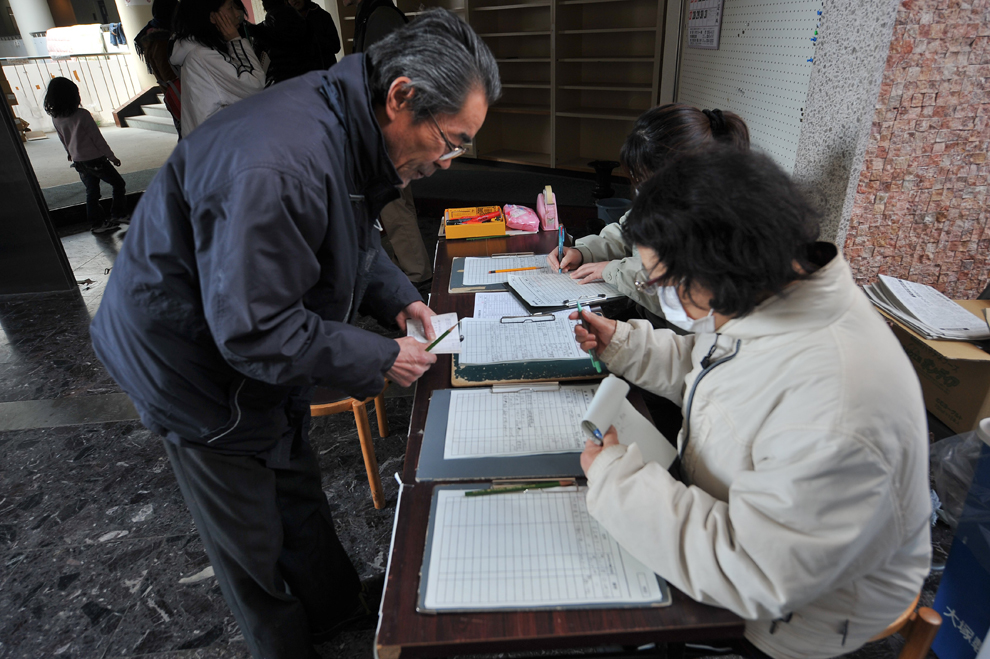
478 270
527 550
486 423
490 341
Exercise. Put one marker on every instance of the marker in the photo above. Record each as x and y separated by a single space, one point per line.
591 353
560 248
538 267
599 439
442 336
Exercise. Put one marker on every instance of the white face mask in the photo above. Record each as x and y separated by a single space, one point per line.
675 314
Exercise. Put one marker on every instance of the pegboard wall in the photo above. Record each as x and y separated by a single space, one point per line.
760 71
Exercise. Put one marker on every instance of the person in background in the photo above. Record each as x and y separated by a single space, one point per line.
89 153
402 240
803 500
217 66
659 134
252 253
152 44
299 37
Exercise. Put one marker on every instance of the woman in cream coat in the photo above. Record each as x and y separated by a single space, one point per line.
803 505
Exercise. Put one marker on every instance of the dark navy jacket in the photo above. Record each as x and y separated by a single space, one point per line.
247 257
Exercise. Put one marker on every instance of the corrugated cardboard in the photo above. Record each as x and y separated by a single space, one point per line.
955 375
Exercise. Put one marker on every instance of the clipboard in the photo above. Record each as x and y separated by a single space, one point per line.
587 300
542 370
457 275
432 465
565 370
428 571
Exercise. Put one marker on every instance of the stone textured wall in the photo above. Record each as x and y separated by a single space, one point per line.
921 209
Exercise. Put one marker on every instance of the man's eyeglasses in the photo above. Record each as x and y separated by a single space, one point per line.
452 151
646 285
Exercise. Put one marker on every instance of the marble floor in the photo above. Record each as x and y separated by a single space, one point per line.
98 553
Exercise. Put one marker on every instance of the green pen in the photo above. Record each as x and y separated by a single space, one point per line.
591 353
443 336
518 488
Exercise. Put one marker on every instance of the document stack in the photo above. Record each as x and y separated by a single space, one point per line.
926 311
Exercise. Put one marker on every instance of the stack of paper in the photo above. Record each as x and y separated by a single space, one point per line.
926 311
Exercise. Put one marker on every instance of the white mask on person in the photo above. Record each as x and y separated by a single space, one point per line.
675 314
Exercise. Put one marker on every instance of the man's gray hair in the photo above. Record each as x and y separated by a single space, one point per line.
444 60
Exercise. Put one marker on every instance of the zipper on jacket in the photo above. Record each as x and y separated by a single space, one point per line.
707 368
237 406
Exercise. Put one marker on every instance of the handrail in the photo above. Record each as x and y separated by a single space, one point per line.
60 57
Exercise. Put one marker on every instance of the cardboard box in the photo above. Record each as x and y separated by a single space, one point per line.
453 230
955 375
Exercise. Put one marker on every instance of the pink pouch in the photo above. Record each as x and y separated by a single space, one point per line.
521 217
546 207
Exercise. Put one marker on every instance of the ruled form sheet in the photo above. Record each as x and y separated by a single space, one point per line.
485 423
528 550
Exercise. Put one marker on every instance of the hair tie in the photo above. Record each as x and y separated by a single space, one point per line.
716 120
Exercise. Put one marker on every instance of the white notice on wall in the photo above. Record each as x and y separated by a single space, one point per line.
704 23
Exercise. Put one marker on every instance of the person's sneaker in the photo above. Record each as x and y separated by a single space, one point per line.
122 220
364 616
105 227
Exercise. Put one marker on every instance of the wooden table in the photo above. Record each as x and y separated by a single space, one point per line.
406 633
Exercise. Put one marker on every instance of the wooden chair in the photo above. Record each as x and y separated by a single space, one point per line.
918 625
326 402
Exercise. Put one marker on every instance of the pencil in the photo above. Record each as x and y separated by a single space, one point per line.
442 336
538 267
591 353
518 488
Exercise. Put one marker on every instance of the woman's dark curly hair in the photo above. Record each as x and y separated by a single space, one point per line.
662 131
192 21
62 97
726 220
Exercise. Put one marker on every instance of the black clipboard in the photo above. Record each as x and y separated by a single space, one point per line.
432 465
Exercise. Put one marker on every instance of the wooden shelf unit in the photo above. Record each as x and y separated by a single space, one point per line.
575 74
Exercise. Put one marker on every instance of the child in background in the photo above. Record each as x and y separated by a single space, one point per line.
89 152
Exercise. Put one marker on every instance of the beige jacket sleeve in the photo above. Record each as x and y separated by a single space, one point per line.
791 529
624 264
656 360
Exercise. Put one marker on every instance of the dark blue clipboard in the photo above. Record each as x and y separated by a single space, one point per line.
432 465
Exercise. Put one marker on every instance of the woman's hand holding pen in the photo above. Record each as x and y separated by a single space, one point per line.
592 450
599 333
572 259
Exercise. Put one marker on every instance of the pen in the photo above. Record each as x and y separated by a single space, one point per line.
591 353
492 272
518 488
599 439
442 336
560 248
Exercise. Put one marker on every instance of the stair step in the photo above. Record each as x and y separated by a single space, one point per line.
157 110
152 123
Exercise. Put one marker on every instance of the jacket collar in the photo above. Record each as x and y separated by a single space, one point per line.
349 98
806 305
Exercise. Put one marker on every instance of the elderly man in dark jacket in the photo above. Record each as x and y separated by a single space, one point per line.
249 256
